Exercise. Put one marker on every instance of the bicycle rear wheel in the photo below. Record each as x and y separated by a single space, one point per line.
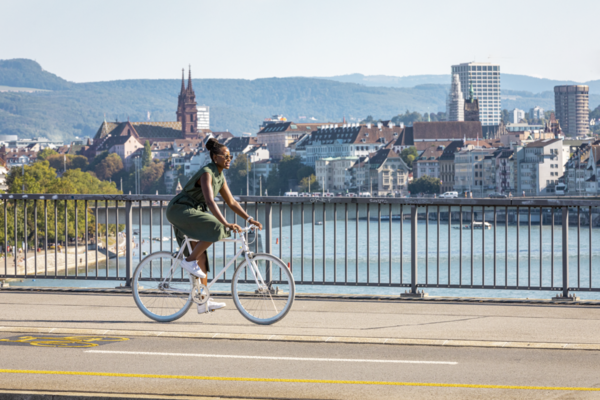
163 300
268 303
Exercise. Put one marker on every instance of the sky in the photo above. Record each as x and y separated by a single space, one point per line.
92 40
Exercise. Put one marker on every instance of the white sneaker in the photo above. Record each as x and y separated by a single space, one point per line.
212 306
193 268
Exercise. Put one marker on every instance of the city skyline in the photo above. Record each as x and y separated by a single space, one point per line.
235 39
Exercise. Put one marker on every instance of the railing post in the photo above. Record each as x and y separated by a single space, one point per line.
565 251
413 255
413 249
268 233
565 258
129 241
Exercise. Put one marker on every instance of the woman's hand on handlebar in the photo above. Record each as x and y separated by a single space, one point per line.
234 227
257 224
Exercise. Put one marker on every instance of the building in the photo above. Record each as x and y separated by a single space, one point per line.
576 168
427 163
571 105
484 78
381 173
537 113
278 135
184 128
332 173
446 165
423 135
539 165
456 101
471 106
475 170
523 127
346 140
518 116
203 117
591 173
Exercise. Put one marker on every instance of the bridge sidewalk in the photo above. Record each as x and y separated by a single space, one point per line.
389 321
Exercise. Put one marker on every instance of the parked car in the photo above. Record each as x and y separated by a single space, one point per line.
364 194
291 194
350 194
449 195
497 195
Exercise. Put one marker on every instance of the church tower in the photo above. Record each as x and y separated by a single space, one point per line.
187 112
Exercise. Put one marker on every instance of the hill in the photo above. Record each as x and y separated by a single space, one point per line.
77 109
23 73
509 82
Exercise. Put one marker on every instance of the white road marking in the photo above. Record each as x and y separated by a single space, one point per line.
146 353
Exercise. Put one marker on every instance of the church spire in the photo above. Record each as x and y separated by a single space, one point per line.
190 80
182 81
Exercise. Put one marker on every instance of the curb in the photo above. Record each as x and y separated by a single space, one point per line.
309 339
319 296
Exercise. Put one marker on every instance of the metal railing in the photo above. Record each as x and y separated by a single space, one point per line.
489 244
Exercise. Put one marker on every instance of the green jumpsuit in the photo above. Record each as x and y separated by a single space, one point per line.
188 212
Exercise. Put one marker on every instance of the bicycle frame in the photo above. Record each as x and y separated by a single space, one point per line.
244 249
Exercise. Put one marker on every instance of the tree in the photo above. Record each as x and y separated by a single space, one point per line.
305 171
408 155
58 161
425 184
109 166
309 184
236 175
152 177
44 154
146 155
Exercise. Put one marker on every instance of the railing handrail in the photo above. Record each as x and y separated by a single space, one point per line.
537 201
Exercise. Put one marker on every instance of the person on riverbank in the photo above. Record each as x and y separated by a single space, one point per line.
188 212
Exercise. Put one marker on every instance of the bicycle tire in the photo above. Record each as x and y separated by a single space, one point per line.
147 293
258 305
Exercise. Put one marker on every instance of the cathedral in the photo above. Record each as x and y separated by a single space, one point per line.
125 138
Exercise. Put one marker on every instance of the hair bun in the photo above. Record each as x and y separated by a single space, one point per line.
212 142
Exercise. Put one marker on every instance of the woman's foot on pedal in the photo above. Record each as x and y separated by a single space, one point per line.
193 268
211 304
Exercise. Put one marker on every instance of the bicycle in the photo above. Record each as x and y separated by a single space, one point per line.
262 286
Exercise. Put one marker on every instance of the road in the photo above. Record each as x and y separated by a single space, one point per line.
170 366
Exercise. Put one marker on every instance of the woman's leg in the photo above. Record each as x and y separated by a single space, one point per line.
199 254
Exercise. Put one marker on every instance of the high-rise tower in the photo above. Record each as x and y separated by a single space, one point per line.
572 108
485 80
456 101
187 111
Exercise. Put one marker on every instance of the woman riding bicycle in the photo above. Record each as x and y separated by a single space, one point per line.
188 213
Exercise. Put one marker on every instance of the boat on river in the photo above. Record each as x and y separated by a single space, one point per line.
476 225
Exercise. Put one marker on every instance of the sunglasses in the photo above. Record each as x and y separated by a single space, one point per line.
226 157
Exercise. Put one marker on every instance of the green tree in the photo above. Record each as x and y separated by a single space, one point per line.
44 154
305 171
236 175
58 161
425 184
309 184
152 178
109 166
146 155
408 155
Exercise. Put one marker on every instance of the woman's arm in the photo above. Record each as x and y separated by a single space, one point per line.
235 206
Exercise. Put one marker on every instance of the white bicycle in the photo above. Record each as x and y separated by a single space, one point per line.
262 286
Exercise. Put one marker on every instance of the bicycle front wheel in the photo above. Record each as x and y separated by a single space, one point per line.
161 288
264 291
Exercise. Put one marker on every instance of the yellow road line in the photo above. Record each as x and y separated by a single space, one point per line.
338 382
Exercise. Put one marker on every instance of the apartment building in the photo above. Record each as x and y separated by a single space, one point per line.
332 173
539 166
475 170
278 135
346 140
383 173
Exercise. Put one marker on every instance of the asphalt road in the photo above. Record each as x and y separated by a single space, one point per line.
168 366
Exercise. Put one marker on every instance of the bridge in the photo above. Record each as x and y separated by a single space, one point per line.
446 298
